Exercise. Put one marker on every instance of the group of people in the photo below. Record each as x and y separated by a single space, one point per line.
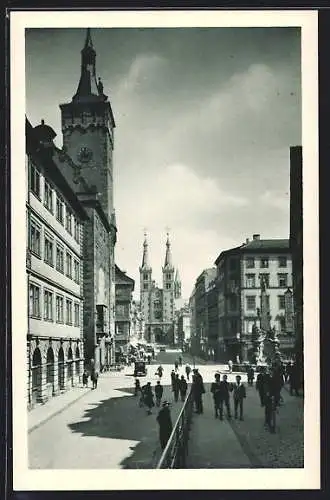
221 390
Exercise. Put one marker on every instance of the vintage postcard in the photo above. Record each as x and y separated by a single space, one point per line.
163 247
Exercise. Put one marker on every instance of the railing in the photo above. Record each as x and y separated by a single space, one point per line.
176 450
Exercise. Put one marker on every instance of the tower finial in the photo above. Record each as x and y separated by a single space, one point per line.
168 256
88 40
88 88
145 259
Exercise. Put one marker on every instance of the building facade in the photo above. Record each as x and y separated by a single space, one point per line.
296 246
88 142
241 271
55 219
204 305
184 332
124 286
137 322
158 304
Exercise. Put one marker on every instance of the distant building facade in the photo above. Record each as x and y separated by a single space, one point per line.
202 307
240 272
158 304
296 246
124 286
137 322
184 332
55 220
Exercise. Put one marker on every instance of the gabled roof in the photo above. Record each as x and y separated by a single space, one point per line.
273 244
121 278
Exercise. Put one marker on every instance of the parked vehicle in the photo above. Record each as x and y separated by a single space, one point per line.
140 368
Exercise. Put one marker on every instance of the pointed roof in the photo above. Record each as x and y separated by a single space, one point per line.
168 266
177 276
88 88
145 259
88 40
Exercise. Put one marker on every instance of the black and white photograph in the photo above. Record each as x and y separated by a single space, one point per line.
163 249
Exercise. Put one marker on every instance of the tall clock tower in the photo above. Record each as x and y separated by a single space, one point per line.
87 127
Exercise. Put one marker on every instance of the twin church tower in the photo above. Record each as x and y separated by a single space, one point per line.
158 304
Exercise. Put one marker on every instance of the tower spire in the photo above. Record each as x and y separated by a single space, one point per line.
88 88
145 258
168 256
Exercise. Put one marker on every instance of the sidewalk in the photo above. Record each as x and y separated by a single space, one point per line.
43 412
238 444
213 443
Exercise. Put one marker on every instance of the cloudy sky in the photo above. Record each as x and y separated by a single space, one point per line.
204 122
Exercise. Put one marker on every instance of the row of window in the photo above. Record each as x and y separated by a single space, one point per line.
62 212
250 280
264 262
66 312
251 302
168 276
54 253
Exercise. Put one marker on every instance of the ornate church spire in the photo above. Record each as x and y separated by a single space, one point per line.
145 259
168 257
88 88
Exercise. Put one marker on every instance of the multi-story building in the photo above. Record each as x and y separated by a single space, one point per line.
202 288
86 160
137 323
240 274
55 219
158 304
296 246
124 289
194 345
184 332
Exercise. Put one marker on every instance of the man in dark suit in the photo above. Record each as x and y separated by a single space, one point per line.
239 396
198 390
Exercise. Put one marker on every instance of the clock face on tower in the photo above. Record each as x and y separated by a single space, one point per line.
85 154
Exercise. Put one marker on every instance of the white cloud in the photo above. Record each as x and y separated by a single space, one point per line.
276 199
176 198
143 71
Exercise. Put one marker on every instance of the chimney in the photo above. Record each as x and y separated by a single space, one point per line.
256 237
247 241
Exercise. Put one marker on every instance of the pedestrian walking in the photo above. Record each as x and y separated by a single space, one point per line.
180 360
261 385
294 380
224 396
250 375
188 370
165 424
176 365
172 379
148 397
215 390
85 379
230 366
271 399
159 371
137 388
149 359
158 393
183 386
198 390
239 395
176 387
94 378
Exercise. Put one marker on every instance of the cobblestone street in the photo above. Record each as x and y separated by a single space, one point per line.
106 428
211 446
